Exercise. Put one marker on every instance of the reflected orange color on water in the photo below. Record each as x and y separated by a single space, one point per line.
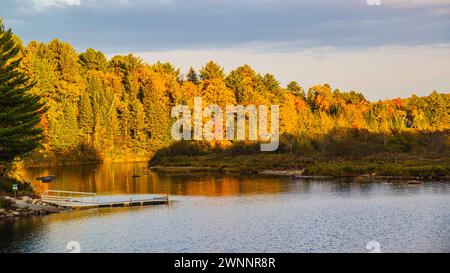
115 179
235 213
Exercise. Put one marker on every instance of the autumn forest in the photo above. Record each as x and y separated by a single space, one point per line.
234 127
118 109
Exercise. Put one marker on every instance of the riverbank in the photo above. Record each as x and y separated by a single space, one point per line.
25 206
37 164
382 166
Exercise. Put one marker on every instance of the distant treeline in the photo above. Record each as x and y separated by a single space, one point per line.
119 109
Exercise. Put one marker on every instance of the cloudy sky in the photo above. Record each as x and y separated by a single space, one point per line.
390 50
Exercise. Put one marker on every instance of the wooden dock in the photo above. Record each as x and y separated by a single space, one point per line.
83 200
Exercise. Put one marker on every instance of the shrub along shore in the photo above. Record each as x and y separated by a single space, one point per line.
342 153
287 165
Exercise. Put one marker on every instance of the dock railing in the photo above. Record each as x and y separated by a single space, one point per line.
77 199
69 198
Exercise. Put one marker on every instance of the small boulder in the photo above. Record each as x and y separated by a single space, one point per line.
11 199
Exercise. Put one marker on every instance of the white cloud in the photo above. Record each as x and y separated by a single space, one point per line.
43 4
40 5
415 3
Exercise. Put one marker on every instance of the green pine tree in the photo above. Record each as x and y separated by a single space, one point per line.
93 60
20 111
86 114
192 76
212 70
296 89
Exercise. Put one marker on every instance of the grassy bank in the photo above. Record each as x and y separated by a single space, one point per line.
382 165
77 160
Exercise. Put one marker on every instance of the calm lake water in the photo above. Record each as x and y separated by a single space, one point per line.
217 213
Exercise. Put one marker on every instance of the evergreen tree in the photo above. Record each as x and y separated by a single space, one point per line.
167 68
192 76
86 115
296 89
212 70
93 60
247 85
20 111
271 83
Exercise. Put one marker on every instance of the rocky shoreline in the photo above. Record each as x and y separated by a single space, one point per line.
27 206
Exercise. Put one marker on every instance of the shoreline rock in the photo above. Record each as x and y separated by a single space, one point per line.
293 172
27 206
